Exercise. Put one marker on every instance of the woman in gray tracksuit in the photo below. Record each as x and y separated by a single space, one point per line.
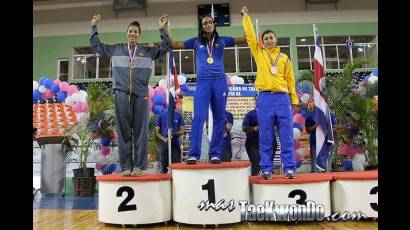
131 70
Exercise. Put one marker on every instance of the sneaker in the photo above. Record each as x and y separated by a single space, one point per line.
191 160
137 172
266 176
126 173
215 160
290 174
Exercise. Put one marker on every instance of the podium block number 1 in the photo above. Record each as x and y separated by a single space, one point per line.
210 186
124 206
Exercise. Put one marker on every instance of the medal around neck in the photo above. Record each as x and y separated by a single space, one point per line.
133 64
274 70
210 60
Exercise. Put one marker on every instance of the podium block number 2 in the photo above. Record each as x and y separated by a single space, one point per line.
124 206
210 186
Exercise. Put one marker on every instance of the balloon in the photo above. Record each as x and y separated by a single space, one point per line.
61 96
240 80
72 89
184 88
82 117
57 82
42 89
35 85
229 80
151 92
94 155
49 94
304 98
105 150
296 143
373 79
158 99
36 95
75 97
162 83
64 86
55 88
41 80
178 108
157 109
376 72
48 83
99 167
82 96
69 101
298 119
296 133
300 152
105 141
77 107
181 79
298 126
160 90
83 107
108 169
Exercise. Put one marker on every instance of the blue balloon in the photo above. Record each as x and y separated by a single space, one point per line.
158 99
34 101
48 83
105 141
376 72
298 126
61 96
367 77
36 95
41 80
108 169
55 88
304 87
184 88
157 109
347 164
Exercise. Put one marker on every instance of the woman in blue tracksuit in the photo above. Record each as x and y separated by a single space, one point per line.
211 86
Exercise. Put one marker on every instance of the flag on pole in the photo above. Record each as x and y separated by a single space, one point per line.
321 114
174 89
212 12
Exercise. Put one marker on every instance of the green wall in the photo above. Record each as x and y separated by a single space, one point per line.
46 50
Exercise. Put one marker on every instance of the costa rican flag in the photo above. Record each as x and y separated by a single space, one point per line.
322 117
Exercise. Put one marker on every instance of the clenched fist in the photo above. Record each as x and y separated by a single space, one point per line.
244 11
96 19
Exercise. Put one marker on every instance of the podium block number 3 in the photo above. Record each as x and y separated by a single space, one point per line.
210 186
124 206
302 196
374 191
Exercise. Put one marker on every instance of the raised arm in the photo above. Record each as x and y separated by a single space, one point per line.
164 46
174 44
249 31
95 42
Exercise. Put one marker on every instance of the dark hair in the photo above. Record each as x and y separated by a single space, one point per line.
135 23
268 31
201 35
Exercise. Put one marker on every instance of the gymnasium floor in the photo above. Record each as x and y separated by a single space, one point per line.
69 212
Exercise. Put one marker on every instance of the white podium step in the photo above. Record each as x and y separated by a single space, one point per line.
134 200
209 193
304 188
355 192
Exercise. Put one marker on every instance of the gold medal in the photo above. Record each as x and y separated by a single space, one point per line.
210 60
133 64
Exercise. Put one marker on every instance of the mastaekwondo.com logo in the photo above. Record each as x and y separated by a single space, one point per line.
282 212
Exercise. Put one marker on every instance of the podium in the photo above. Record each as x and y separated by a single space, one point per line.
354 192
205 193
134 200
305 187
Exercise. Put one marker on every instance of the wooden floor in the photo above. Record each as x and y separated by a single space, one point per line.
88 219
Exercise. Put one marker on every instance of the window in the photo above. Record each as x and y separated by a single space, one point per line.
304 57
229 60
62 69
160 65
245 59
87 66
331 57
187 61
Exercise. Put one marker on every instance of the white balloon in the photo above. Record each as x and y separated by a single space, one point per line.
75 97
373 79
35 85
235 79
83 96
83 117
42 89
102 160
296 133
181 79
69 101
240 80
304 98
162 83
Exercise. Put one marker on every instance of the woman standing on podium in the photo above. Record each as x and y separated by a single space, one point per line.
211 86
276 84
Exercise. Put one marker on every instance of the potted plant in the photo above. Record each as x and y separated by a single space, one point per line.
79 141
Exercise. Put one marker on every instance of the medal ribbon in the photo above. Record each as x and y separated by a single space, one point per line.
212 45
129 52
276 60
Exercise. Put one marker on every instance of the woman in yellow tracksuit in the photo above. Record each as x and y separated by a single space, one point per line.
276 85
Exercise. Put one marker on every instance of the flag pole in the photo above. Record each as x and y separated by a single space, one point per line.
167 98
